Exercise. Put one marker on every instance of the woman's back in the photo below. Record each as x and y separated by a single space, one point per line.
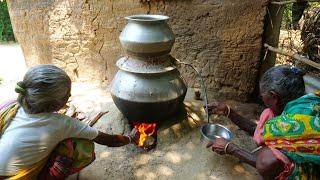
30 138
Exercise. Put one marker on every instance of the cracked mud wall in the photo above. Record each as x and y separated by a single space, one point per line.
221 38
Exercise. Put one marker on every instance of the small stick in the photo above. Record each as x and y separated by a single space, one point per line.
92 121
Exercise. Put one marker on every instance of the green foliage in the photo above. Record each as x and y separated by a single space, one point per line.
287 14
287 17
6 32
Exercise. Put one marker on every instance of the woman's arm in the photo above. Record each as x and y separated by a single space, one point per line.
114 140
264 160
243 123
242 154
222 146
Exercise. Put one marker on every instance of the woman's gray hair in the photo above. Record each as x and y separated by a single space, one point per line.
45 88
285 80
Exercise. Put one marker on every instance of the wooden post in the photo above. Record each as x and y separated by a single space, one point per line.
271 35
272 25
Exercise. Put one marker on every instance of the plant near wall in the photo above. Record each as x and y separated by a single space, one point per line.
287 17
287 14
6 32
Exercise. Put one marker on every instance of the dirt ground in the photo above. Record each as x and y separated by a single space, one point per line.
289 41
179 153
12 69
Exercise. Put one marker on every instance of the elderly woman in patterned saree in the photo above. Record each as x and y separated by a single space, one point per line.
288 130
38 143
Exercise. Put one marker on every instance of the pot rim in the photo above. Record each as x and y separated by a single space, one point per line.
147 18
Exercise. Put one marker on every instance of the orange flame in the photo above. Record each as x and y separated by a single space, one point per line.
145 130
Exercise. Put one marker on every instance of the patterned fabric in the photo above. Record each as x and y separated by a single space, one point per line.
297 132
70 156
58 167
7 111
80 151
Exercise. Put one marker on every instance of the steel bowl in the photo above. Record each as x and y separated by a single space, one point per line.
210 132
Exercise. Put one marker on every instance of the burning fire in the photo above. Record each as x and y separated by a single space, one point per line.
145 131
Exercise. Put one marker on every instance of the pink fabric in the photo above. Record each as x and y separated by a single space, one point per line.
266 115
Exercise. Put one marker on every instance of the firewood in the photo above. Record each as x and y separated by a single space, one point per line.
92 120
80 116
71 111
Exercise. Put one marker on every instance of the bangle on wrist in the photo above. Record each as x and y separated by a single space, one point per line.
225 148
229 110
130 139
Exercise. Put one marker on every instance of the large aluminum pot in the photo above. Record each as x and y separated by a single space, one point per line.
148 87
148 97
147 35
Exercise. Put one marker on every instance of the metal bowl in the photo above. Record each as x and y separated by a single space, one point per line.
210 132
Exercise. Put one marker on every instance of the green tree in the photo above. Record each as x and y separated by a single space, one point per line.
6 32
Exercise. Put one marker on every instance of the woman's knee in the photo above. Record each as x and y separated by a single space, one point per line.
268 165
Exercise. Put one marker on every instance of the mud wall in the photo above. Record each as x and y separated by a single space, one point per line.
222 38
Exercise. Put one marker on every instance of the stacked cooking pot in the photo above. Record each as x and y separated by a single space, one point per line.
147 87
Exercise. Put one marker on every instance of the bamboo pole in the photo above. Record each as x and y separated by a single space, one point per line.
293 55
292 1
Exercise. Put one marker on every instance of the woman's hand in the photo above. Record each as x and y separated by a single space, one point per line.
218 145
117 140
219 108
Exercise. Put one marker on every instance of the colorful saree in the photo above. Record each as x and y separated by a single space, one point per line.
296 132
70 156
